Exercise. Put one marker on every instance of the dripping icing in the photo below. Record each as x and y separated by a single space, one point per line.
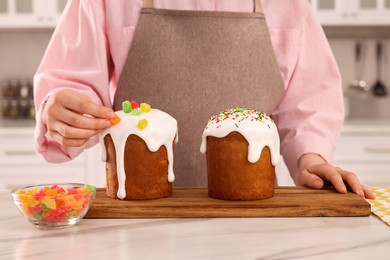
161 131
256 127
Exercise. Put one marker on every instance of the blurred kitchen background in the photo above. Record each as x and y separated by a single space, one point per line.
359 35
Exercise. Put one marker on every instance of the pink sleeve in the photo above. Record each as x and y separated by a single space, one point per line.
311 113
76 58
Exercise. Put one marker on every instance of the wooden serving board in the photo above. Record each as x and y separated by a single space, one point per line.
195 203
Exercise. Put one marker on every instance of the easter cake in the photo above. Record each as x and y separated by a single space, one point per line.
138 151
242 148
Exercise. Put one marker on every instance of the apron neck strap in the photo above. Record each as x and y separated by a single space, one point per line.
257 7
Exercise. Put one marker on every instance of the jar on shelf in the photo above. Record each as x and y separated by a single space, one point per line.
24 89
5 89
14 88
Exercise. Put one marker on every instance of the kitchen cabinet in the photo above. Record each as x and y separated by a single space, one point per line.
367 155
30 13
363 148
20 165
352 12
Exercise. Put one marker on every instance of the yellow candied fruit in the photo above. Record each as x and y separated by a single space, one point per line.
33 191
50 203
115 120
30 201
142 124
51 192
69 201
78 205
145 107
20 192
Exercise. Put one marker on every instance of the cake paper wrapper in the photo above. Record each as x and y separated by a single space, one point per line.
381 205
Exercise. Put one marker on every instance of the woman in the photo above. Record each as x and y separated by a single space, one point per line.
105 51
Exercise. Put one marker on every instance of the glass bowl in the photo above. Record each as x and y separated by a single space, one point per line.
54 205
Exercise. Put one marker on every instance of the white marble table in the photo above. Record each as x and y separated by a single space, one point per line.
249 238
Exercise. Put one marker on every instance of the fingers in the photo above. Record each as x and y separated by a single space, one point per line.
310 180
68 142
368 194
70 136
352 180
80 104
72 118
335 175
79 121
329 173
72 132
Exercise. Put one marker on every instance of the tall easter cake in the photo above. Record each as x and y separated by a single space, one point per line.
242 148
138 151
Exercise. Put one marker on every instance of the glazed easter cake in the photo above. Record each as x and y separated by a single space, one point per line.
138 151
242 149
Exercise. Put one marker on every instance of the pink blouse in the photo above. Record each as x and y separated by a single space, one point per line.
90 44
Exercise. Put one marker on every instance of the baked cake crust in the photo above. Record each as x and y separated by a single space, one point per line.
231 176
146 171
138 151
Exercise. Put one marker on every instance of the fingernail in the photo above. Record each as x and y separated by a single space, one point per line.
107 123
344 189
316 183
110 114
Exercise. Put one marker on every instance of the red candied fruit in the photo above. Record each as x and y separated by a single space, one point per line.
34 210
134 105
40 195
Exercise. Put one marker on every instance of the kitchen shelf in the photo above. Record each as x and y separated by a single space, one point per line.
352 12
357 32
30 13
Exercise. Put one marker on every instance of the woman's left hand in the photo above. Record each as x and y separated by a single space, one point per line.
314 170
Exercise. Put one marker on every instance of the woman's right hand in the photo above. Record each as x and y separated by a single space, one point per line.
73 118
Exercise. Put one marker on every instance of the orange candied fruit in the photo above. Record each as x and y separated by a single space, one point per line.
115 120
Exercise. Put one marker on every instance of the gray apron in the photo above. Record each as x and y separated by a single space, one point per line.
193 64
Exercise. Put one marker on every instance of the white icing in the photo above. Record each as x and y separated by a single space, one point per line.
258 133
161 130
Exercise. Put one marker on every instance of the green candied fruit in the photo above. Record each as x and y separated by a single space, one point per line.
71 214
44 207
89 187
136 112
37 216
126 106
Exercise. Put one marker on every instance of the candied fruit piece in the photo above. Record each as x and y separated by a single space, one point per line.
126 106
145 107
134 105
19 192
136 112
115 120
50 203
142 124
89 187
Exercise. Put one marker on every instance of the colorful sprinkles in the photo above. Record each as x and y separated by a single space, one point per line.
239 114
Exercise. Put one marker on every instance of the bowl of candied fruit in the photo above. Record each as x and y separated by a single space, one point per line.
54 205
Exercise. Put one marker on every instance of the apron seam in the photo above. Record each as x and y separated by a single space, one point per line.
209 14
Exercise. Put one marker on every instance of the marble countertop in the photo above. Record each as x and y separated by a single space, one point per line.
244 238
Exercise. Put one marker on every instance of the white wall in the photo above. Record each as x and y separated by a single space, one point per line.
21 51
